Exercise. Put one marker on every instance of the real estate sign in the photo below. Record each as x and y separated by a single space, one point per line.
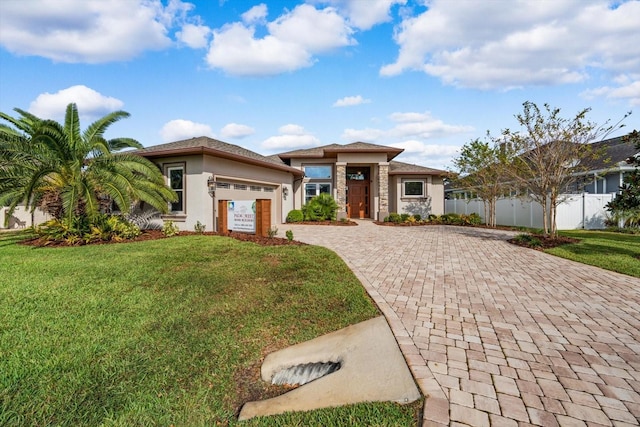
241 216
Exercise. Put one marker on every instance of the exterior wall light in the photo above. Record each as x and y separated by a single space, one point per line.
211 186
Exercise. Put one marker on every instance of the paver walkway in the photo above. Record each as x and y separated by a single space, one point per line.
496 334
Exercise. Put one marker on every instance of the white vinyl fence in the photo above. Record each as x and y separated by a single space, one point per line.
576 211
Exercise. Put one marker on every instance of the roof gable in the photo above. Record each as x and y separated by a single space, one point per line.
214 147
332 150
400 168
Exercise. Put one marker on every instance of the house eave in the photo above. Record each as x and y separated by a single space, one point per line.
221 154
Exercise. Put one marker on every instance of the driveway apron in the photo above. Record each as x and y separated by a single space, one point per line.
495 334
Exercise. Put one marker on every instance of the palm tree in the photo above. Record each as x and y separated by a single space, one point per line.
44 163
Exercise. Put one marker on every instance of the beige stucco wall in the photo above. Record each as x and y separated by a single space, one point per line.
362 158
200 206
432 204
436 190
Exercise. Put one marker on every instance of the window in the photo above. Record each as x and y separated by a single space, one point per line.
313 189
176 183
413 188
318 172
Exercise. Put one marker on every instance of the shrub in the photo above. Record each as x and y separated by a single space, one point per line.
471 219
82 230
289 235
528 240
394 218
433 218
170 229
272 232
199 227
295 215
322 207
451 218
417 217
404 217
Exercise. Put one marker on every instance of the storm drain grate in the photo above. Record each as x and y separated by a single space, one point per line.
305 373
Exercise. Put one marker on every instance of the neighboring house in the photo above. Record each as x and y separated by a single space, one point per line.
584 201
363 178
606 174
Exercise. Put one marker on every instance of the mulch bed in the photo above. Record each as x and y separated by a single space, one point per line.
342 223
546 242
403 224
157 234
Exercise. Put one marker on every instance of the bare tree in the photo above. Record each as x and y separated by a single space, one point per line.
551 154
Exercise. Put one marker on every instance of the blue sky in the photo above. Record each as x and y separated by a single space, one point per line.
273 76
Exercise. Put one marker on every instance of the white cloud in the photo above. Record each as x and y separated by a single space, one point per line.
179 129
437 156
407 125
365 14
91 31
257 14
236 131
194 36
349 101
535 43
291 136
91 104
423 125
363 135
292 41
628 89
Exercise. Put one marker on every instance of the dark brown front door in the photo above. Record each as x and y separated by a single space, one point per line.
358 193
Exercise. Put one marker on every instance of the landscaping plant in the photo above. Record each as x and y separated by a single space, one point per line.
321 208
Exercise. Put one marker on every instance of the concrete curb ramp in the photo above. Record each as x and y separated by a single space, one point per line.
372 369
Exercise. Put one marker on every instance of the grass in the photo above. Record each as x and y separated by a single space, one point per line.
608 250
166 332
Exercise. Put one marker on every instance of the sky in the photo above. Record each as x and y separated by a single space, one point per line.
424 75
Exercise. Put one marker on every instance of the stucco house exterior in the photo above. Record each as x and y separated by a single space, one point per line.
362 178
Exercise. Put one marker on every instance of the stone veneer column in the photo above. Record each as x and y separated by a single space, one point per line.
341 189
383 190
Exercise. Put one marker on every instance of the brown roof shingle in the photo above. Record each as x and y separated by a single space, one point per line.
214 147
400 168
332 149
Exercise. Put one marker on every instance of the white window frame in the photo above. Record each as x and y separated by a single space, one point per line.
414 196
317 190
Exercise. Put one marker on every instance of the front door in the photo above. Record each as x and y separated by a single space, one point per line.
358 192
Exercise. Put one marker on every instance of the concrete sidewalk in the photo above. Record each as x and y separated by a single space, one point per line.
495 334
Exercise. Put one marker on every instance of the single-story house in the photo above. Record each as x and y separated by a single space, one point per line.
363 179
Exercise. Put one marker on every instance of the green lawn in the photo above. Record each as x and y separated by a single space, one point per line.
612 251
166 332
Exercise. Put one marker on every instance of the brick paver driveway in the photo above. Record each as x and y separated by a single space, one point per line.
496 334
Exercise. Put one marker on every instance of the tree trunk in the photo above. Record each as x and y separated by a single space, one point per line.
553 204
545 216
